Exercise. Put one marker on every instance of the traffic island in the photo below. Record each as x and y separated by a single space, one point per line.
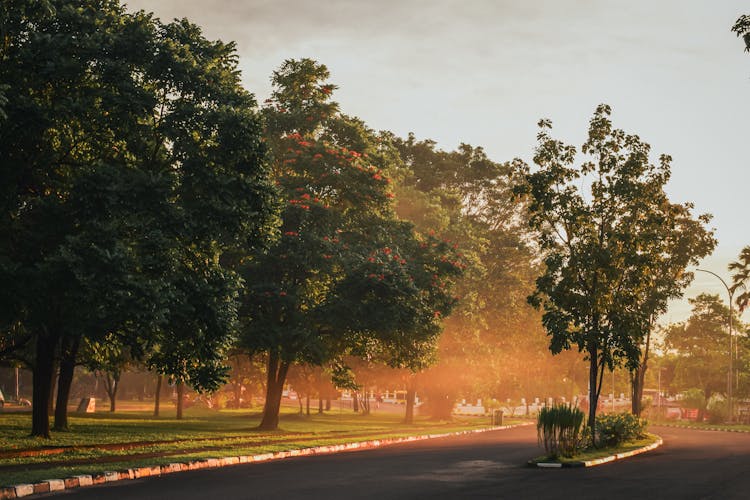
591 458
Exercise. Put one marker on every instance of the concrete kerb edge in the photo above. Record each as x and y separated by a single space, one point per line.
697 428
600 461
24 490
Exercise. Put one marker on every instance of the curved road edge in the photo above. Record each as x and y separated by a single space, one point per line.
53 485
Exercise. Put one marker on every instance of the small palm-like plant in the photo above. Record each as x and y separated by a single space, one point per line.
560 429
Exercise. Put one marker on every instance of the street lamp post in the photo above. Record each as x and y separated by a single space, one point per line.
658 401
731 342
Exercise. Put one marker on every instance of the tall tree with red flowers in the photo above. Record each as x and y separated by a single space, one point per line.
344 274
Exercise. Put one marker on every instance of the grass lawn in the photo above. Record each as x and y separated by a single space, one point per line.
594 453
104 441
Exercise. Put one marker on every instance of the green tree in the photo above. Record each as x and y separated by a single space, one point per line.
108 360
701 345
677 241
129 154
742 29
344 272
741 278
465 198
597 267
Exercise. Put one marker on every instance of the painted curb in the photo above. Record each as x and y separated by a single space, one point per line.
697 428
599 461
51 485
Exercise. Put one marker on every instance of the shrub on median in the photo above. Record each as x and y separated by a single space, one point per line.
613 429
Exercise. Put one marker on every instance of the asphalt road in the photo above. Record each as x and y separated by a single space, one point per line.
690 464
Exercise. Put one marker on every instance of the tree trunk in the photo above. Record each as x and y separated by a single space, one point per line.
364 403
237 394
52 387
409 416
67 368
320 403
299 402
180 399
42 383
111 384
275 379
355 402
157 394
637 378
411 394
307 403
593 387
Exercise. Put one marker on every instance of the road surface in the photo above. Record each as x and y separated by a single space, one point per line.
690 465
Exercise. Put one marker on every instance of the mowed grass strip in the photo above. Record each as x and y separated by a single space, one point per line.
201 434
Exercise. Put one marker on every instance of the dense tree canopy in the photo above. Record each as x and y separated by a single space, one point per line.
701 345
465 198
130 159
345 275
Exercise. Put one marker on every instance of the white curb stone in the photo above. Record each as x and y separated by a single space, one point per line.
84 480
55 484
24 490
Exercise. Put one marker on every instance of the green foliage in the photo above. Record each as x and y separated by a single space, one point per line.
741 278
559 428
742 29
718 409
604 249
693 398
346 276
464 198
131 161
701 345
613 429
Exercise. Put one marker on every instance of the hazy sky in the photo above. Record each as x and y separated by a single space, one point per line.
484 72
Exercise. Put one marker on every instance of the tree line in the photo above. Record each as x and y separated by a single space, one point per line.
155 212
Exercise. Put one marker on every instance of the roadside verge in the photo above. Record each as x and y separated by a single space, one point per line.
51 485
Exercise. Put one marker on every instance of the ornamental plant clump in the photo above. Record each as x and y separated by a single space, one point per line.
560 429
613 429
